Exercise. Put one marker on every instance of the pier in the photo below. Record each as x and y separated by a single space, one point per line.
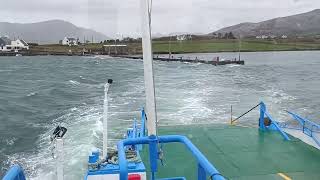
215 62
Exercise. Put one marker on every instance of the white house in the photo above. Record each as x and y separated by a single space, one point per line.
284 36
273 36
262 37
70 41
181 37
6 45
184 37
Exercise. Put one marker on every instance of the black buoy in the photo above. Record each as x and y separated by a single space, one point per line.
110 81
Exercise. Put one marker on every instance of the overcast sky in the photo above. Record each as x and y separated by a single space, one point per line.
123 16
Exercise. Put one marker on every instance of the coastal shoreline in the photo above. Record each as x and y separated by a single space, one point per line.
171 47
159 53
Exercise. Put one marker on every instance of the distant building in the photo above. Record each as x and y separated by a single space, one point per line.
262 37
118 49
184 37
68 41
273 36
284 37
6 45
215 35
4 40
181 37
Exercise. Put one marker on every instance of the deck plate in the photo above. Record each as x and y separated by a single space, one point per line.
239 153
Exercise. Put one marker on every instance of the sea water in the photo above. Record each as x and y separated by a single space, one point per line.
39 93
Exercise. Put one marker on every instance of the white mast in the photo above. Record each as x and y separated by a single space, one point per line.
148 67
60 158
105 119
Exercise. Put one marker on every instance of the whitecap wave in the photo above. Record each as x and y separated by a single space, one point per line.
233 65
100 57
278 96
32 94
11 141
6 70
73 82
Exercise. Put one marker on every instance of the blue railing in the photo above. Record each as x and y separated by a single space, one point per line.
204 166
135 131
15 173
273 124
308 127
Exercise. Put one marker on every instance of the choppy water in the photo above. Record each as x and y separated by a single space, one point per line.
38 93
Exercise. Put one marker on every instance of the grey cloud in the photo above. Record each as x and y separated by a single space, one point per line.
123 16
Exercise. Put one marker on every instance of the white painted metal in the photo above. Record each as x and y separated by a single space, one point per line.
148 67
303 137
114 176
105 121
59 158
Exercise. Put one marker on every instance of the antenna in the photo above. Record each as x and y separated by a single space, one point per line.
239 47
170 47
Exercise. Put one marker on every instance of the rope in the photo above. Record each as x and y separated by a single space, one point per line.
131 156
245 113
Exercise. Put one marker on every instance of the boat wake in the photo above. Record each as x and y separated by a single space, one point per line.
84 134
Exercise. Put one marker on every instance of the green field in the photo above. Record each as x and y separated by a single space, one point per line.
198 46
233 45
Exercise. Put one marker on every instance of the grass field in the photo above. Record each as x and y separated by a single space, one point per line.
233 45
200 46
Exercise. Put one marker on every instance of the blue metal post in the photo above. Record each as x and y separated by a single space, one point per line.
15 173
153 153
134 128
274 125
201 173
261 119
285 136
143 123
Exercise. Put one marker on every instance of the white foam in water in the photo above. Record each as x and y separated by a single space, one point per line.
233 65
99 57
277 97
32 94
84 133
11 141
73 82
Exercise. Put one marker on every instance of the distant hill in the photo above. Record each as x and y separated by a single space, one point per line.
48 32
300 24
